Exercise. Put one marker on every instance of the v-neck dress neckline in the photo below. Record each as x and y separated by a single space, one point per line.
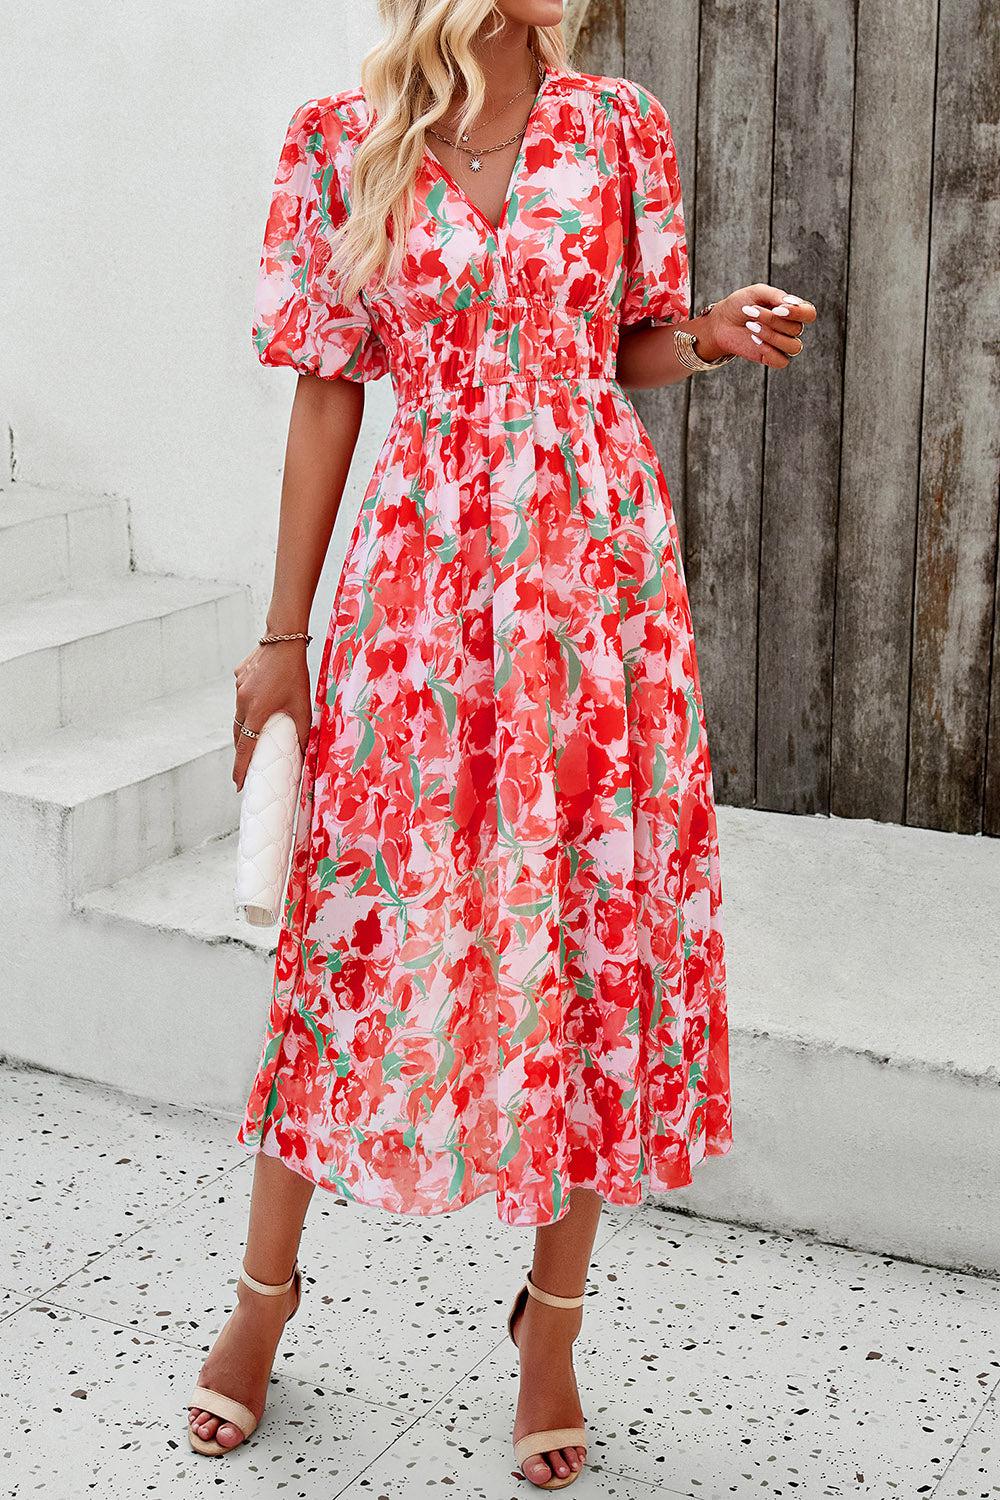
515 173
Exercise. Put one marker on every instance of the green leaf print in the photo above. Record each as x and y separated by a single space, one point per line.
660 766
392 1066
272 1101
446 1062
623 804
652 585
572 472
326 870
519 542
532 909
449 704
695 728
557 1194
458 1176
426 961
434 200
512 1147
318 1037
366 744
384 878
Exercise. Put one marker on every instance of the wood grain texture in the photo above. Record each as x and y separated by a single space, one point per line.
957 532
671 73
991 809
883 374
809 233
599 43
726 413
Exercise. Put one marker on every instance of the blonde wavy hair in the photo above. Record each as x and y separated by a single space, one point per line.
409 79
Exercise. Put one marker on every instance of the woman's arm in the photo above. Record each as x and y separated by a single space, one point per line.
322 434
749 322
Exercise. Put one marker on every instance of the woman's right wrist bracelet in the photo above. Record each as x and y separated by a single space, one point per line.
295 635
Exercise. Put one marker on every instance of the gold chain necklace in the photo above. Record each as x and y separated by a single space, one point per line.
476 162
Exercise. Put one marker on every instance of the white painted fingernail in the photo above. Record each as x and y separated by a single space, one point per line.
796 300
756 339
754 327
781 312
752 312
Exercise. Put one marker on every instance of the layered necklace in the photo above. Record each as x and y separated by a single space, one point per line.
475 155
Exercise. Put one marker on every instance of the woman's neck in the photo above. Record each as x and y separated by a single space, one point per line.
507 61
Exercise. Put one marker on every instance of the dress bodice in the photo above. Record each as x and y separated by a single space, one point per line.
591 239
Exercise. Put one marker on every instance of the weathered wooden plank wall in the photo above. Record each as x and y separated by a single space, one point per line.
840 520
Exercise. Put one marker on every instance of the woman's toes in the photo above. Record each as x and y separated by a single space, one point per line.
572 1457
537 1470
558 1464
229 1435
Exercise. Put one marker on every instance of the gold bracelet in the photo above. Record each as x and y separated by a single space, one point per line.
684 347
295 635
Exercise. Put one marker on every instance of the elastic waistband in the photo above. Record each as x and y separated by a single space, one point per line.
501 343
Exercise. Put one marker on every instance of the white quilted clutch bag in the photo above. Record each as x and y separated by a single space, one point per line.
267 821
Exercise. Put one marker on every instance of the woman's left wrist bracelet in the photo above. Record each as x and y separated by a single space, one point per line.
687 354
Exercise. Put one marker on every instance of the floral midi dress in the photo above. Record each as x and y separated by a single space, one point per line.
500 964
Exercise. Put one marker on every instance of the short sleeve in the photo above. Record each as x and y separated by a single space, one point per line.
299 318
656 283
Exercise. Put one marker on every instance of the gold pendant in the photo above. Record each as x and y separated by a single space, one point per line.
476 164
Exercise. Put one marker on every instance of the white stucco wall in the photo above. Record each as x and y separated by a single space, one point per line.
140 142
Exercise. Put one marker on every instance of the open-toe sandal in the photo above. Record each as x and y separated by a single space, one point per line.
223 1406
536 1444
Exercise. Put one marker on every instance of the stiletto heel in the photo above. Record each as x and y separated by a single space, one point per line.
224 1407
535 1444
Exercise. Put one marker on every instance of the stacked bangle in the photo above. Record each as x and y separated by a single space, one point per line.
684 346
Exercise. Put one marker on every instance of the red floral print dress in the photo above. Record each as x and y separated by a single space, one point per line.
500 965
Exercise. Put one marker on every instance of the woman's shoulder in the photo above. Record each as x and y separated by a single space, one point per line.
620 92
341 114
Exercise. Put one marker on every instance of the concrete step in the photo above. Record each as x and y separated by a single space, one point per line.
51 539
862 1001
188 896
108 645
86 806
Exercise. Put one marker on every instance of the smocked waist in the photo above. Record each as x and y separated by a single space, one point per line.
494 343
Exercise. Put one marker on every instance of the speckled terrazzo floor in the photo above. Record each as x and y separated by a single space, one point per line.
714 1362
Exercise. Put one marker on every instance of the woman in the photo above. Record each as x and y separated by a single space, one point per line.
500 966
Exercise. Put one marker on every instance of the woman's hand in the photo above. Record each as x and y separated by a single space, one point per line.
760 323
272 679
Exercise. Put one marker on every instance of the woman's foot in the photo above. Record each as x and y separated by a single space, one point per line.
548 1396
239 1364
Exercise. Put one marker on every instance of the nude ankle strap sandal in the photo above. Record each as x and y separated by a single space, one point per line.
535 1444
225 1407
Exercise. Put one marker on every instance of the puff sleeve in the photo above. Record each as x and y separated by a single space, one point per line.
299 318
656 285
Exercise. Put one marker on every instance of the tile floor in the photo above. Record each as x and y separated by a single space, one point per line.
715 1361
